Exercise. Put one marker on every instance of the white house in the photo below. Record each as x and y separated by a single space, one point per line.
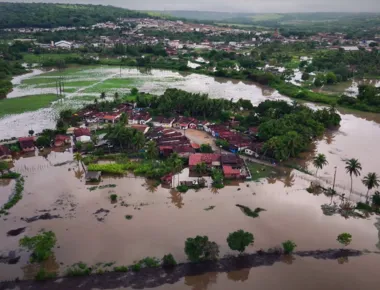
64 44
163 122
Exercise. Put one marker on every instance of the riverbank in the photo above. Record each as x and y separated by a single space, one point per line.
155 277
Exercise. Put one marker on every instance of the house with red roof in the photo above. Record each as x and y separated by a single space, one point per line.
5 153
161 121
184 123
211 160
231 173
79 132
26 144
110 118
62 140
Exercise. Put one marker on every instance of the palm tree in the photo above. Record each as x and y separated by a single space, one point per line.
319 162
371 180
116 95
124 118
79 159
201 168
138 140
353 166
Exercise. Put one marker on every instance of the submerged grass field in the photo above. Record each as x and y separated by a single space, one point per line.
25 104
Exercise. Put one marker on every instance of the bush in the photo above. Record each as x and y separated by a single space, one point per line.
121 269
43 275
10 175
107 168
200 249
43 141
363 206
128 217
182 188
41 245
136 267
78 269
289 247
239 240
345 239
376 199
169 261
113 197
206 148
150 262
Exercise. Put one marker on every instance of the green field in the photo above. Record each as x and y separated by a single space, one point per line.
112 84
25 104
266 17
37 58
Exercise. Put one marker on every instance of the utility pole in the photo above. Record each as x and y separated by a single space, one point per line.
334 178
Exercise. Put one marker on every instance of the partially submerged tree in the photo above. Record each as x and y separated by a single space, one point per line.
289 246
344 238
353 167
239 240
41 246
371 180
319 161
200 249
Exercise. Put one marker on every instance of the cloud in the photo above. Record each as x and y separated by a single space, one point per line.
258 6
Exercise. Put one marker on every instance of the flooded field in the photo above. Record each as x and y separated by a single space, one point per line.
349 88
91 229
84 84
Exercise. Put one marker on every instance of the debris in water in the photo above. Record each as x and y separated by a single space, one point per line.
248 212
210 208
45 216
101 214
16 232
10 259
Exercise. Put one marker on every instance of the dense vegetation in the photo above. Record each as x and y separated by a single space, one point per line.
14 15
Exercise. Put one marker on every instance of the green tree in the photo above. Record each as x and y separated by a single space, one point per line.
134 91
371 180
206 148
305 76
353 167
31 132
319 80
41 246
201 168
239 240
151 150
289 246
103 95
43 141
116 95
3 166
345 239
319 162
331 78
123 119
200 249
79 159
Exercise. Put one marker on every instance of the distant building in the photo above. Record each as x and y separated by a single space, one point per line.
26 144
64 44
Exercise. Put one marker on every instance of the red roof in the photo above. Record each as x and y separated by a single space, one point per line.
228 170
4 151
82 132
110 117
207 158
195 145
62 138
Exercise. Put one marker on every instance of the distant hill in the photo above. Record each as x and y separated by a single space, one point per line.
43 15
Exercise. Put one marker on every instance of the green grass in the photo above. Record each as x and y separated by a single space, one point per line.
34 58
25 104
266 17
75 84
259 171
109 84
38 81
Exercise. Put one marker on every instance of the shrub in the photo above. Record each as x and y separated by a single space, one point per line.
169 261
113 197
150 262
344 238
43 275
206 148
200 248
10 175
121 269
128 217
78 269
136 267
289 247
107 168
239 240
376 199
182 188
363 206
41 245
43 141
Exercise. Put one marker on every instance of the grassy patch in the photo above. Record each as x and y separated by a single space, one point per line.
17 196
115 83
78 269
248 212
25 104
37 58
107 168
43 275
259 171
121 269
41 246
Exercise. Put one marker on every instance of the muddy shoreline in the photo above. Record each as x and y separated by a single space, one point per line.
155 277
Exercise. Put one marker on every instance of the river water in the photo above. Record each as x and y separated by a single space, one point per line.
168 217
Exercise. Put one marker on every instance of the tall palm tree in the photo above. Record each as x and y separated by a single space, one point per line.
371 180
151 150
138 140
319 162
353 166
79 159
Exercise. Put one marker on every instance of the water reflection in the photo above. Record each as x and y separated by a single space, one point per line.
342 260
176 198
288 259
78 173
201 282
50 265
239 276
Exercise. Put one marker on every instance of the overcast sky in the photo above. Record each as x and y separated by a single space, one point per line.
260 6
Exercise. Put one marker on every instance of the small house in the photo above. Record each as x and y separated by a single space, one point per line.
111 119
26 144
5 153
160 121
62 140
210 159
92 176
79 132
230 172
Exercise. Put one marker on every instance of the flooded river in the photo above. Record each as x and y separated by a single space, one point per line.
168 217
